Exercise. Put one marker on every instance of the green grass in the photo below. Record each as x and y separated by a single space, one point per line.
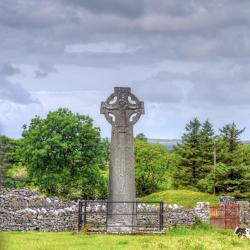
179 239
185 198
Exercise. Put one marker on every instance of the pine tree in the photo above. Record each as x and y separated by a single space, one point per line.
189 152
230 174
207 143
195 154
229 146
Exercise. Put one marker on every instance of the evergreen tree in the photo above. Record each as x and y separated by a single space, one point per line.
229 146
226 179
195 154
207 141
230 174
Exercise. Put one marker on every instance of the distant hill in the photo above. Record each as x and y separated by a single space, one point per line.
168 143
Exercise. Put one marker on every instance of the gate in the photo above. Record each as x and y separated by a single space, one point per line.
93 216
225 216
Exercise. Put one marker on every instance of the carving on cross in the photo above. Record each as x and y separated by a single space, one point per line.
122 108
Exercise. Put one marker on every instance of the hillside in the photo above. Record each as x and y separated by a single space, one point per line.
185 198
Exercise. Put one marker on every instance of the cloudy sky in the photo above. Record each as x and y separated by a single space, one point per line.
183 58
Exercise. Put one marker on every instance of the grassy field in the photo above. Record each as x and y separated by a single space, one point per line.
180 238
185 198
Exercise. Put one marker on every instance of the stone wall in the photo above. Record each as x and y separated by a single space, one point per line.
244 213
25 210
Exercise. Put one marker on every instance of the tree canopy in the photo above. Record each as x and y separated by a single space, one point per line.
63 154
195 154
152 162
5 144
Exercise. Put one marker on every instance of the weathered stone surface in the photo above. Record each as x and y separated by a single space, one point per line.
122 110
26 210
227 200
244 213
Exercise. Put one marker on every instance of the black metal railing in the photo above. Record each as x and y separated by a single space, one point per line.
145 216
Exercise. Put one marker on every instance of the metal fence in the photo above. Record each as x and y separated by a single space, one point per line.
146 216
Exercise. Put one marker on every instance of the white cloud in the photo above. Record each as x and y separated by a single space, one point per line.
101 48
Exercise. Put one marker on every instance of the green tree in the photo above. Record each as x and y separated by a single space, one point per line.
245 154
16 175
63 154
224 179
229 146
194 153
207 141
141 136
231 174
5 144
151 165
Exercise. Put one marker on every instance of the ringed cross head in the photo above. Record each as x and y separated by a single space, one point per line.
122 108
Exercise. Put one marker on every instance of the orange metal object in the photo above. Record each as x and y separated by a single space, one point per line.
225 216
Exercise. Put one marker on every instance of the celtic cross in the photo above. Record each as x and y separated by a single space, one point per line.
122 108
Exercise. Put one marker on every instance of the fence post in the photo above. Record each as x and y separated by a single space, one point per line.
133 212
238 215
107 214
79 215
161 216
225 208
85 214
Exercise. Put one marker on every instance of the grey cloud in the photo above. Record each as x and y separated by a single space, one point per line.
166 29
14 92
165 87
127 8
44 70
213 84
227 85
40 74
7 69
30 14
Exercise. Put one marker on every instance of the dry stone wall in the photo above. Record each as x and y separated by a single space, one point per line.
244 213
25 210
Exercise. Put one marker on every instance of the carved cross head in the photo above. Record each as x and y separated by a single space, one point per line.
122 108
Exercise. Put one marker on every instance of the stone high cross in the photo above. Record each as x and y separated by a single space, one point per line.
122 110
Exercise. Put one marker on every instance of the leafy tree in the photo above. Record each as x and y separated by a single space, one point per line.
151 164
106 153
15 173
142 137
5 143
63 154
195 154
